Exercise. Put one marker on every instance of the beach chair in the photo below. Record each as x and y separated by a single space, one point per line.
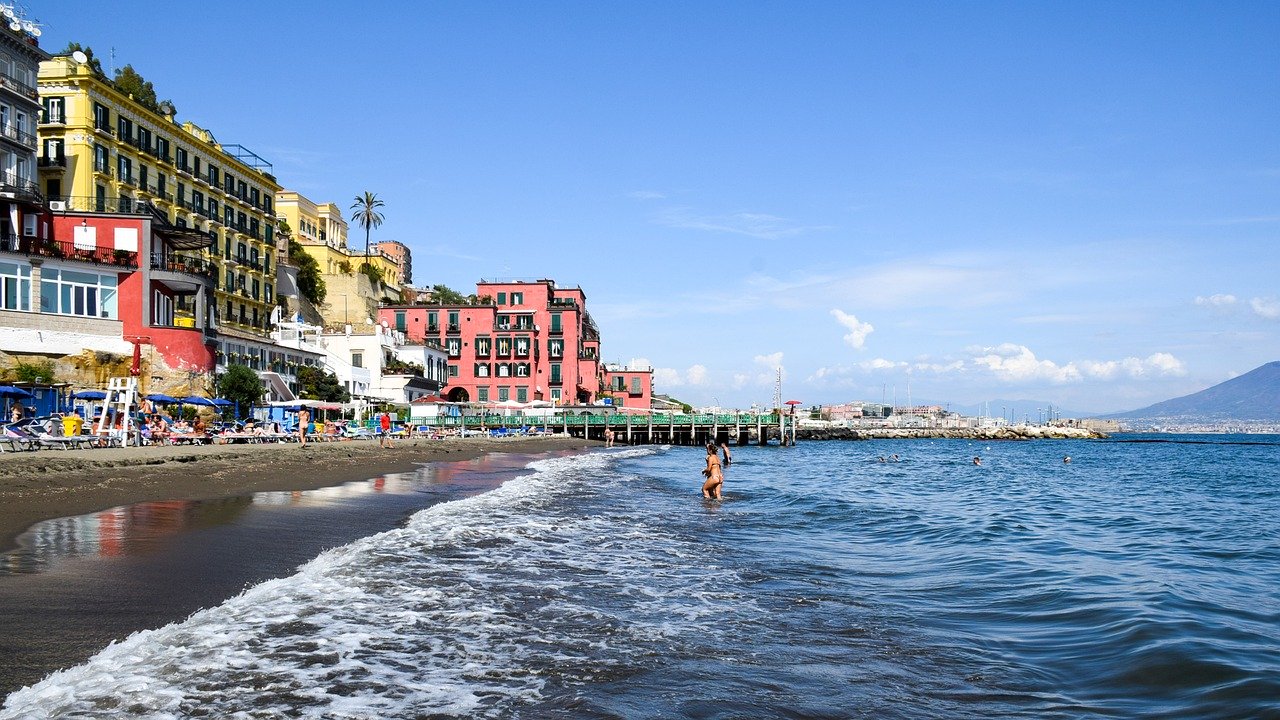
16 440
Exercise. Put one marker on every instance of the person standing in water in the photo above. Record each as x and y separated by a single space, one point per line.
728 459
715 476
304 419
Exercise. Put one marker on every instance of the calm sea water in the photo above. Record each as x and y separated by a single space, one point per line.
1140 580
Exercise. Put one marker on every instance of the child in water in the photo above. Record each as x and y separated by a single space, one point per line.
715 478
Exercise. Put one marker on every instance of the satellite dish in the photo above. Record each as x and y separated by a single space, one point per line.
35 32
15 26
166 108
79 57
8 11
385 324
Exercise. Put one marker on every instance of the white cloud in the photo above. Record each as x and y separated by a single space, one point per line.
671 377
1268 308
881 364
771 360
858 331
1218 300
757 225
1017 363
646 195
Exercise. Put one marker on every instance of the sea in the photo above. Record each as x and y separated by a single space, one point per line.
873 579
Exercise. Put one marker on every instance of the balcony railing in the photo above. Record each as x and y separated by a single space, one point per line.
81 203
185 265
67 250
13 132
12 83
58 118
58 161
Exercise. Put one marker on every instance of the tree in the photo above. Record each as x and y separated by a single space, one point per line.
129 82
310 282
95 65
366 215
241 385
445 295
316 383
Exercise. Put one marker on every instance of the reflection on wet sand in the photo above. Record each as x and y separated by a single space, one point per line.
145 527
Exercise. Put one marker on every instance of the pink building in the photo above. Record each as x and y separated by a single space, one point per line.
532 341
630 388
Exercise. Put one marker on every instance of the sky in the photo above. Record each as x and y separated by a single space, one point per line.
1075 203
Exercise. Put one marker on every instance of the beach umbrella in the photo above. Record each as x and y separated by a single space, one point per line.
196 400
162 399
9 391
90 395
222 402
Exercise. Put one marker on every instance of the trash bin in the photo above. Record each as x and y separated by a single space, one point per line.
71 425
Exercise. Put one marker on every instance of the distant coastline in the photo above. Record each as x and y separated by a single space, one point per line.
1017 432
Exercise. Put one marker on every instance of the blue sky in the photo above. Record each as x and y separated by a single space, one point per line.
1076 203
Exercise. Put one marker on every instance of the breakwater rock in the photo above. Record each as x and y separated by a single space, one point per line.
1004 433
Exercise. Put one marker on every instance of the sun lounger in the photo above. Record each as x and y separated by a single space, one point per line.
193 438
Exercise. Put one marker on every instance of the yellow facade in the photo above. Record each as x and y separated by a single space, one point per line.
115 155
322 232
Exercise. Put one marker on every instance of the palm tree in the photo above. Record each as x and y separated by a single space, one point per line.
366 214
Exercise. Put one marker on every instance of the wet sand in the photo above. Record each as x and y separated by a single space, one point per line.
49 483
69 590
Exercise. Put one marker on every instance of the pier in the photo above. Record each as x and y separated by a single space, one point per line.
647 429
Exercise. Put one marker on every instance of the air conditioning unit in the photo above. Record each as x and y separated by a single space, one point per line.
57 205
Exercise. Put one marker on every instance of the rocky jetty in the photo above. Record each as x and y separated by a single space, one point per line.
1004 433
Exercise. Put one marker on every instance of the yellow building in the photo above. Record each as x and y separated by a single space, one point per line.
322 232
104 151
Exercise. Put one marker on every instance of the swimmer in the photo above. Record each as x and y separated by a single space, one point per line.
977 460
1066 459
895 457
882 458
715 478
724 447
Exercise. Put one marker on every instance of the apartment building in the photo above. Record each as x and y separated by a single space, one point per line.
20 199
104 151
526 340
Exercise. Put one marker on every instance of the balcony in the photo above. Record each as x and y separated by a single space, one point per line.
66 250
81 203
453 328
59 118
58 161
9 82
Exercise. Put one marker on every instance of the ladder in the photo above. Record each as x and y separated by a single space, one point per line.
121 393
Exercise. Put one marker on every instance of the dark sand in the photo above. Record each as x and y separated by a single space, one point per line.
49 483
57 612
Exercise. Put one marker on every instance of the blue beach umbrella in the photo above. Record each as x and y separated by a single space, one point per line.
196 400
222 402
89 395
162 399
9 391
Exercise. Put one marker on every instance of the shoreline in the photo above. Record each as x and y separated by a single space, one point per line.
1004 433
50 484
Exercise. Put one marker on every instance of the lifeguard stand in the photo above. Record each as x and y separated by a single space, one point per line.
121 394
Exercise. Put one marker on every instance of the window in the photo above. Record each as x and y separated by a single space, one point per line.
555 348
213 209
522 393
504 322
635 386
522 369
101 117
454 346
213 174
555 373
483 345
401 325
231 282
504 347
618 384
504 369
433 322
161 309
453 371
502 298
15 286
124 169
453 320
183 163
68 292
101 159
555 395
357 359
517 298
522 347
504 393
555 323
54 110
482 394
482 369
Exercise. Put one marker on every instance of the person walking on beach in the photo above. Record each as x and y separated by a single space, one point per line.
304 419
608 437
715 476
384 423
728 459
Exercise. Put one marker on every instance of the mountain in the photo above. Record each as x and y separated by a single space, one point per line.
1252 396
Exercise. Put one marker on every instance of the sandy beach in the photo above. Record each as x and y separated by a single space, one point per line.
48 484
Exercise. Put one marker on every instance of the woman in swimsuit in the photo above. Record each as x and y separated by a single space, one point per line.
715 478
